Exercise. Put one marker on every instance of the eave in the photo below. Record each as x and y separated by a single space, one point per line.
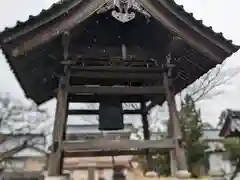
167 12
28 36
183 24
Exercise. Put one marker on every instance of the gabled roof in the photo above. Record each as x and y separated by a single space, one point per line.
202 44
179 18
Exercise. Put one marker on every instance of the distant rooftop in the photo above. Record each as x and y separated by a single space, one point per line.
230 122
211 134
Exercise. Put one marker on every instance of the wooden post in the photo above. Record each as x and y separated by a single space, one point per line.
146 134
55 165
175 124
173 165
56 157
91 173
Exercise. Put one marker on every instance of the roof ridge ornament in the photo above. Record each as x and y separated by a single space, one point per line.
124 6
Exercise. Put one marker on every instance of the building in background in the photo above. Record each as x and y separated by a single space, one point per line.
230 122
25 156
218 158
30 161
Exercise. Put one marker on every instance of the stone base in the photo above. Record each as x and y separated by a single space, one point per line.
183 174
216 175
62 177
151 174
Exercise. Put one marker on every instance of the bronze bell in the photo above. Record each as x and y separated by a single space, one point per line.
110 114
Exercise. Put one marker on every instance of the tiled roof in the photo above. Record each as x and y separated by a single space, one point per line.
204 48
63 6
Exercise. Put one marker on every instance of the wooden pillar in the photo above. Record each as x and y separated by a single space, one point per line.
173 165
146 134
91 173
55 165
174 124
56 157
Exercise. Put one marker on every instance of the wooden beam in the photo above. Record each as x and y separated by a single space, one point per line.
111 153
96 98
121 90
118 69
117 144
96 112
107 52
71 20
116 75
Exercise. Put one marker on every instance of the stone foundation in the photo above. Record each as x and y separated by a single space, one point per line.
183 174
62 177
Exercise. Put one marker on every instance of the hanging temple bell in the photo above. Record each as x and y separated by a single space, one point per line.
110 114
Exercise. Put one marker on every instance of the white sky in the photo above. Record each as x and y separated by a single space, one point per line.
222 15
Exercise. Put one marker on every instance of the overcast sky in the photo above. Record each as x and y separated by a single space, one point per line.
222 15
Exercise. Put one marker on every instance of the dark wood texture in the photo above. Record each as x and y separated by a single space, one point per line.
100 36
96 112
56 157
118 75
97 98
55 165
118 90
146 135
122 69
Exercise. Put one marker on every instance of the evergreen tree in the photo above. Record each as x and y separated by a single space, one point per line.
192 129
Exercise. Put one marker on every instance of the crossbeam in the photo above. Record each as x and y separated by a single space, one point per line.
116 75
121 90
118 69
109 153
91 98
96 112
117 145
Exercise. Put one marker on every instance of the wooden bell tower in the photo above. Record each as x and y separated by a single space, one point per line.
136 51
115 80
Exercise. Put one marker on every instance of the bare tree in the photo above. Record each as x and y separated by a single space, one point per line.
206 87
19 125
210 83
